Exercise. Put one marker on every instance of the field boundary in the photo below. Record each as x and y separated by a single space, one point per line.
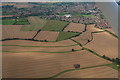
114 35
41 46
42 51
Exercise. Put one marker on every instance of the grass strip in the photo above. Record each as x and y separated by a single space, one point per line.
77 42
41 51
41 46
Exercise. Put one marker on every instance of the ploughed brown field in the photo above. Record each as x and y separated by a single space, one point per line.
34 43
13 31
37 21
43 65
75 27
83 38
47 35
104 44
87 35
35 59
19 5
99 72
7 15
91 28
45 49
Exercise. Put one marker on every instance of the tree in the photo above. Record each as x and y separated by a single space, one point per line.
73 50
104 56
45 40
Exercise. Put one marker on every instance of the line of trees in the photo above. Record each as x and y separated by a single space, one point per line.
115 60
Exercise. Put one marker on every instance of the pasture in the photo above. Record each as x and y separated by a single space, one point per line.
8 21
35 24
66 35
19 21
55 25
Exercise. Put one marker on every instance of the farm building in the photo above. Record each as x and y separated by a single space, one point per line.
68 15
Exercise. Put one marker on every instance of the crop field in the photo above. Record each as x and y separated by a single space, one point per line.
33 43
83 38
13 31
98 72
20 21
87 36
47 35
51 48
66 35
41 49
91 28
75 27
104 44
7 15
55 25
32 64
36 24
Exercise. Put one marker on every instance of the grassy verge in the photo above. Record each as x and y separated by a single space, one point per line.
54 25
41 51
114 66
40 46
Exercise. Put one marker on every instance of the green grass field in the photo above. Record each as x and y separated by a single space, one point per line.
102 16
82 15
66 35
36 24
20 21
8 21
55 25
